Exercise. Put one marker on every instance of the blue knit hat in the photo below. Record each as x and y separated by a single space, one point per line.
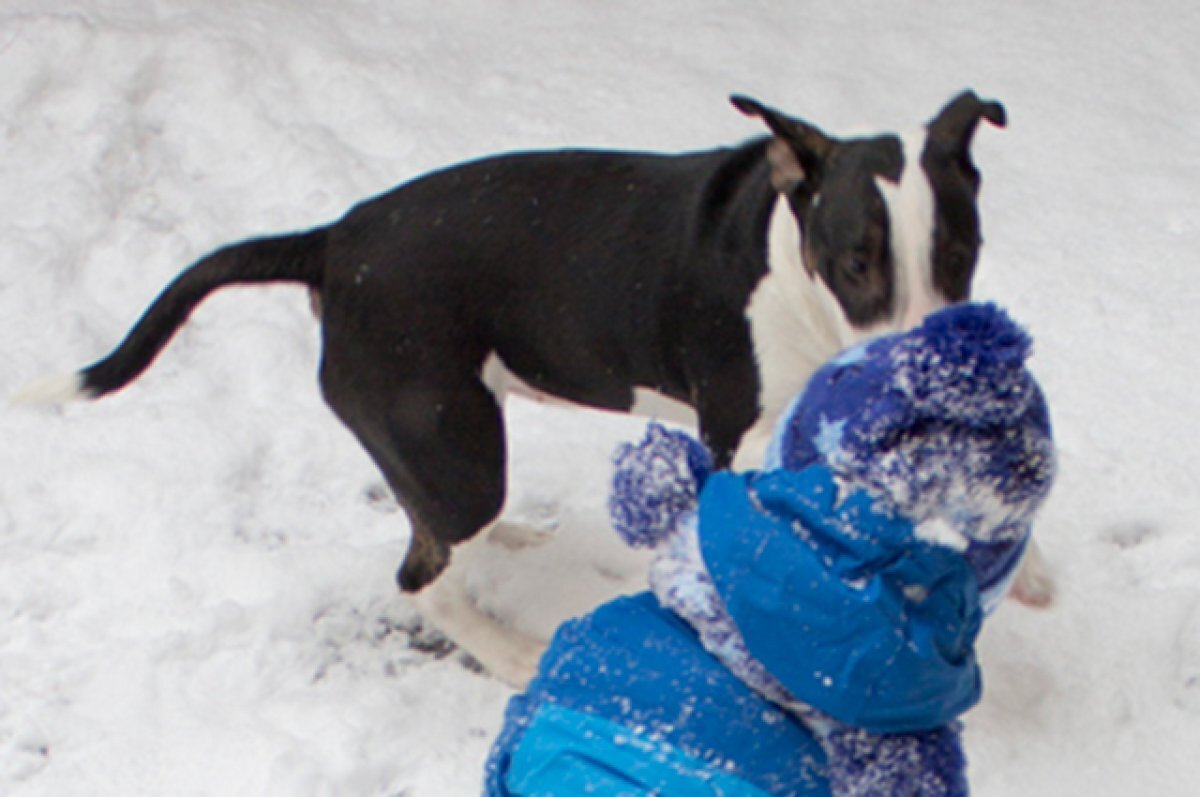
944 425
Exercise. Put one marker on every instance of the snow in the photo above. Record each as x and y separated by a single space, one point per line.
196 575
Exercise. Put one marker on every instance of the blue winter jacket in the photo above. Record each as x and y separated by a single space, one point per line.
844 605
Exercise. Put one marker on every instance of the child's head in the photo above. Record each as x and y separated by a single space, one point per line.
944 424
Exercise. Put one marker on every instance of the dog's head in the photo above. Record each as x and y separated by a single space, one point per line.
888 225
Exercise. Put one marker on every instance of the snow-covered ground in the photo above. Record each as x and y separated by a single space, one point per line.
196 591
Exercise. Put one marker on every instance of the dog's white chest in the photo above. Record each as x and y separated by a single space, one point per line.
795 326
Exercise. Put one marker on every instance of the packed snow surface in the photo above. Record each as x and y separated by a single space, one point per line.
196 575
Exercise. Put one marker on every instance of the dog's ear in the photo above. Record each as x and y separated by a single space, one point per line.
952 130
798 149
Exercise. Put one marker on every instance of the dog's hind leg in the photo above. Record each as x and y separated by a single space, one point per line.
440 445
448 603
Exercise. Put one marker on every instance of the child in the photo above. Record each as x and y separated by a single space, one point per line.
810 627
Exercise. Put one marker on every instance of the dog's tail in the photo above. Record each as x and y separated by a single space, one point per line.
290 258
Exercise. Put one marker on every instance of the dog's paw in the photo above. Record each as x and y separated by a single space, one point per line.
1035 585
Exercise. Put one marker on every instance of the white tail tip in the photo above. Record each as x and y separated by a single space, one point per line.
55 390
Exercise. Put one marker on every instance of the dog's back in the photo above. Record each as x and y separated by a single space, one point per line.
569 266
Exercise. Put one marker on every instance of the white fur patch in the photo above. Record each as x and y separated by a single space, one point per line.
504 383
796 324
52 391
651 404
646 402
910 206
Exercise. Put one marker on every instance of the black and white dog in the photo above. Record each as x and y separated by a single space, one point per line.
720 279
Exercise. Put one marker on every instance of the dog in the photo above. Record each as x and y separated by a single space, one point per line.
719 279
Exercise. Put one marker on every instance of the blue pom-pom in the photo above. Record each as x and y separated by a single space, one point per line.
655 483
980 334
967 363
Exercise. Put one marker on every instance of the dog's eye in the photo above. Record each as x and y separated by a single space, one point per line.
855 266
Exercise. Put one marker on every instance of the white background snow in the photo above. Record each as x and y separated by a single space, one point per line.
196 586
